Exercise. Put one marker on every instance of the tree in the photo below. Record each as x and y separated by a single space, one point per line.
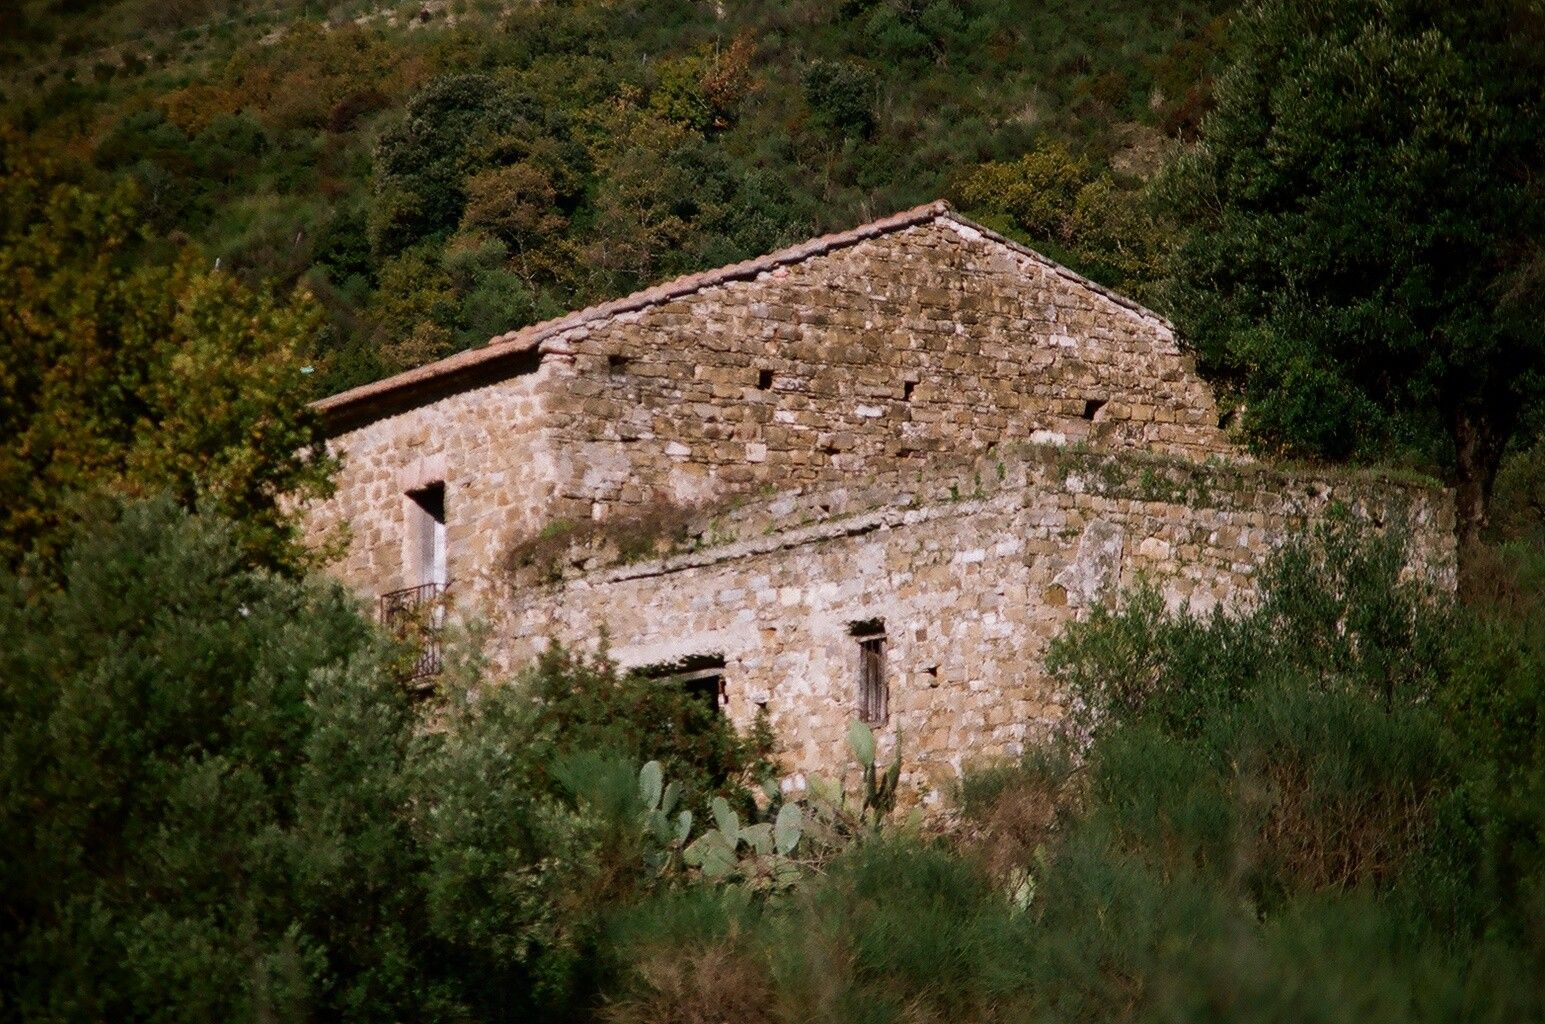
1064 207
1356 223
201 788
219 802
122 375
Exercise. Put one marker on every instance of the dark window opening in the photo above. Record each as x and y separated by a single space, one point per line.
708 687
701 676
907 388
873 689
617 363
1093 406
764 379
1229 418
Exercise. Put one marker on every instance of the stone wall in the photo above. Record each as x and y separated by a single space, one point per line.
848 357
973 566
927 340
490 446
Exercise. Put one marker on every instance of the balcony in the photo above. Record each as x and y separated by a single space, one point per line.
416 615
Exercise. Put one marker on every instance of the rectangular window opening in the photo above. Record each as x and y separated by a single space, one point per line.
427 526
617 364
764 380
1093 406
700 675
907 388
416 613
873 687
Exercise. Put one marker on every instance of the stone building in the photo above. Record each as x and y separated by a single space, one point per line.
869 475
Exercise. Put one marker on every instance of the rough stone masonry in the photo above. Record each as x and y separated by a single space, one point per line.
916 442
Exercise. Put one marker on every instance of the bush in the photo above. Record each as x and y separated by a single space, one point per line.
1312 811
1340 610
586 704
841 95
201 812
219 801
893 930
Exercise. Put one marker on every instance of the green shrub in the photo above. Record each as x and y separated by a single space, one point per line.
201 789
219 801
585 703
1339 609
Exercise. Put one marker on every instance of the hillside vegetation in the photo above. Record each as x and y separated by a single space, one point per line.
437 173
220 801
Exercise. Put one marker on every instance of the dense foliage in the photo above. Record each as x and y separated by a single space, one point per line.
218 801
1361 222
119 376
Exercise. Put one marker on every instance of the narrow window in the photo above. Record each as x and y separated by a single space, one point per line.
416 613
873 691
426 523
907 388
1093 406
764 380
701 676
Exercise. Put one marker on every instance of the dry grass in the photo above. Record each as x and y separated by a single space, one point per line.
1003 829
650 530
1359 838
1021 821
718 984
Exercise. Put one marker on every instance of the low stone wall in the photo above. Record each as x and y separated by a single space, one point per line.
972 567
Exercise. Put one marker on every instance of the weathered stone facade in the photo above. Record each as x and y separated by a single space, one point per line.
887 346
971 570
886 354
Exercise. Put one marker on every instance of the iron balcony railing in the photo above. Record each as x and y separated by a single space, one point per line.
416 615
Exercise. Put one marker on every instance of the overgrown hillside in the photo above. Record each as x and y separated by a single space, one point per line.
438 172
218 801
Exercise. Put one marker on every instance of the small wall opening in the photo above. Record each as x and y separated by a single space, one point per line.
873 686
907 387
617 364
764 380
1093 406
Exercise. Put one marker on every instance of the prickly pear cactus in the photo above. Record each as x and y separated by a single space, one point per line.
762 854
759 854
667 833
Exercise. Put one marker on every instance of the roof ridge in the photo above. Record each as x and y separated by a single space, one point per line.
1057 268
535 336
